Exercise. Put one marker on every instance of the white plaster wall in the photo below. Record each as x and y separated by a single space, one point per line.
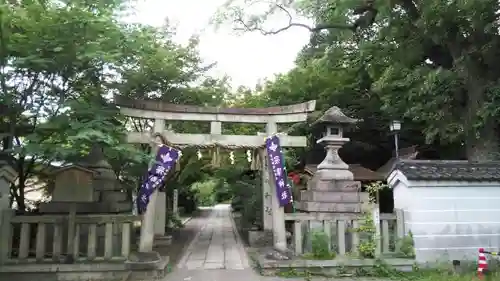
401 195
451 220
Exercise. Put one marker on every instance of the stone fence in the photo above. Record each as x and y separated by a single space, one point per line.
341 229
65 238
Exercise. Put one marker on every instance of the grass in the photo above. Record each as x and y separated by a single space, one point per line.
441 276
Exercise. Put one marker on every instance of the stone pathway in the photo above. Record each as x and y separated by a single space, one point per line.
216 253
217 245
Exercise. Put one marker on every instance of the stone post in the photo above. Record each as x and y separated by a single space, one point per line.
7 176
175 203
147 226
278 213
160 214
267 218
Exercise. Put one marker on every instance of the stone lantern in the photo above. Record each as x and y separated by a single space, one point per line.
334 122
332 188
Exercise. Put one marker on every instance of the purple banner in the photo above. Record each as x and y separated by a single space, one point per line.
165 160
275 156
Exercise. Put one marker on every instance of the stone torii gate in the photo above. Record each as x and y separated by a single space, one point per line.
160 111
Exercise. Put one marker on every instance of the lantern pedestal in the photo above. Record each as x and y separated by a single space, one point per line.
332 188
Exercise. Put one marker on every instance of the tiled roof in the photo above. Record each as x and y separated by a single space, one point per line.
450 170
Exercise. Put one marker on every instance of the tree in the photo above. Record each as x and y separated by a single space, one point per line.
432 62
61 62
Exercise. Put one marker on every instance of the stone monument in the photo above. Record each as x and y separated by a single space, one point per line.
89 187
332 189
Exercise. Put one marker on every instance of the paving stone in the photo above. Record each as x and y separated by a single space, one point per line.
194 264
213 265
216 246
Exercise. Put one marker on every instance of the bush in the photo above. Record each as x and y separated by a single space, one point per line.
247 199
321 246
204 192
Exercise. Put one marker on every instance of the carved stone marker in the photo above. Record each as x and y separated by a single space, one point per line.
91 184
73 184
175 204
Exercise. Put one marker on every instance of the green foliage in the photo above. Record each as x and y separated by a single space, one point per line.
384 271
367 233
406 246
374 189
204 192
431 64
62 62
174 222
320 246
247 200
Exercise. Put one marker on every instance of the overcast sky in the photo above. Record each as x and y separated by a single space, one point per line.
246 59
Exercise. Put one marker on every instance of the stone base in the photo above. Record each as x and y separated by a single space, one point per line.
143 261
329 207
155 273
260 238
162 240
319 184
333 196
339 267
331 174
94 271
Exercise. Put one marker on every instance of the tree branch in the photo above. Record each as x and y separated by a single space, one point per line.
316 28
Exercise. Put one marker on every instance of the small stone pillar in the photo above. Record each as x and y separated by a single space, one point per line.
332 188
160 214
7 176
175 203
267 218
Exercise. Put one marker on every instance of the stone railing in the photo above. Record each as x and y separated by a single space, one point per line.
341 228
44 238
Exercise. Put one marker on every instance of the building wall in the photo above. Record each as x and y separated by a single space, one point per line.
450 220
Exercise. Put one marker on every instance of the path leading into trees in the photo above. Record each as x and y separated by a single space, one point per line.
217 245
216 253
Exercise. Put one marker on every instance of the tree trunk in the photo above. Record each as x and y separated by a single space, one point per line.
482 144
20 198
484 147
